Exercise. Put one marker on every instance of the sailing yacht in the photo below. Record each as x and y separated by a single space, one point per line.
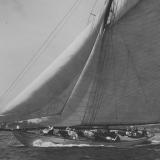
108 76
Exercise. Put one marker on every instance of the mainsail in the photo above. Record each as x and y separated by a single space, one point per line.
116 79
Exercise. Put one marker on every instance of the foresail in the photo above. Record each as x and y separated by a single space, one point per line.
48 93
120 84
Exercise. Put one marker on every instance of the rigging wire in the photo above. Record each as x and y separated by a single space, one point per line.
74 88
65 103
95 99
99 88
43 47
115 79
107 61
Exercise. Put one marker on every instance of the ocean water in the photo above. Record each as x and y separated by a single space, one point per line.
11 149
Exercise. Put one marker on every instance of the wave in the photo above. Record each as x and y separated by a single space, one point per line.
40 143
155 139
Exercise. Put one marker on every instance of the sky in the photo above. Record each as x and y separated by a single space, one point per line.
24 26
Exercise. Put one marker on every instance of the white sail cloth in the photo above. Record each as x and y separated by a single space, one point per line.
53 86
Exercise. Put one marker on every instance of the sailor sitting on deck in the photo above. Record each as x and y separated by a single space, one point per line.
48 131
17 127
128 133
143 132
112 136
89 133
131 131
134 132
72 133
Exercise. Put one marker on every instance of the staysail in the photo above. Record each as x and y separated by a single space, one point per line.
121 82
50 89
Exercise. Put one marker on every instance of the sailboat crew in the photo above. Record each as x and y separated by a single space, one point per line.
17 127
89 133
144 132
107 135
48 131
134 132
113 136
128 132
72 133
